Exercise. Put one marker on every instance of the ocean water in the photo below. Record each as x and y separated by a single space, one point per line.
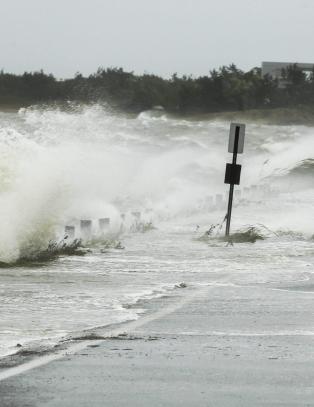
58 167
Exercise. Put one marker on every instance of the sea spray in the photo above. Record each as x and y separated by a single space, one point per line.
82 162
59 166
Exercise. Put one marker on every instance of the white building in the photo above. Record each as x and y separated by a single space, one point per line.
274 69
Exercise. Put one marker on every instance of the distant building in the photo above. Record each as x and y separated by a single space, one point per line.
274 70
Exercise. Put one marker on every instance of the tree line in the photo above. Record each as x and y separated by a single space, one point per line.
225 89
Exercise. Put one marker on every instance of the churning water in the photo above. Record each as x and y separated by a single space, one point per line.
58 167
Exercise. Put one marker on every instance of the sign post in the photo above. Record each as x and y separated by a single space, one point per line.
233 171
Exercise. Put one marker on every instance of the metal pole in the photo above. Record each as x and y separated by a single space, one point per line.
234 161
229 209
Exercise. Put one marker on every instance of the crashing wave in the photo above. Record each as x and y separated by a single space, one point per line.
303 168
247 234
51 252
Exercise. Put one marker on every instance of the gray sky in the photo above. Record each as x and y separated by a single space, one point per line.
160 36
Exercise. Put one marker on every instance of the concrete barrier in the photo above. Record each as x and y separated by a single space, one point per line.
237 193
209 200
86 228
254 193
219 200
70 231
104 224
246 192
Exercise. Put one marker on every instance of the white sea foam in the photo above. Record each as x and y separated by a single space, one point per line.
87 162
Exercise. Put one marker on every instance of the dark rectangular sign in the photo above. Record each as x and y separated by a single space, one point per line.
233 173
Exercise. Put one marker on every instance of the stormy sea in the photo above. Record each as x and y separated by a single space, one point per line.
102 214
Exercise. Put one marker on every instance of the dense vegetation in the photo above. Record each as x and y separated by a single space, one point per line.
226 89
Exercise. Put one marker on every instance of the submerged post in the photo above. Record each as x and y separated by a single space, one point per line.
233 171
86 228
69 231
137 215
219 200
104 224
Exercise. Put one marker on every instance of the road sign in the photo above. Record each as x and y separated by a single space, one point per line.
233 172
234 128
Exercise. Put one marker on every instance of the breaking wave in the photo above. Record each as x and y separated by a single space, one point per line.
60 165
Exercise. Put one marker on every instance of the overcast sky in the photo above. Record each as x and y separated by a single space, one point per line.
160 36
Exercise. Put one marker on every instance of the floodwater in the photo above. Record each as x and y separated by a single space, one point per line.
58 167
